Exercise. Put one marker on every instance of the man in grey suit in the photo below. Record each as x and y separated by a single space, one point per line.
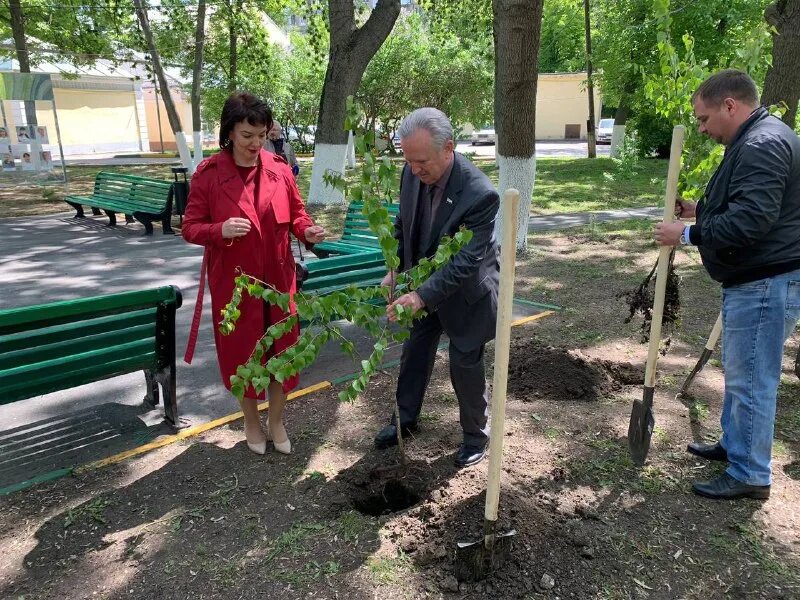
441 191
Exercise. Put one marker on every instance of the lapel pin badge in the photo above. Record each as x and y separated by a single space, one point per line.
449 201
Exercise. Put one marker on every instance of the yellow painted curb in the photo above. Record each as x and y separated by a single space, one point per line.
192 431
524 320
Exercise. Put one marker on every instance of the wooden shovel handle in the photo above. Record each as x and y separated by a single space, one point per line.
663 256
502 342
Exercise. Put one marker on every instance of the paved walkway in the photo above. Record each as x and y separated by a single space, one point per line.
564 220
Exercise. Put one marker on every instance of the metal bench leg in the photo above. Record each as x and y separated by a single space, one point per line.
129 219
96 211
112 218
165 339
166 224
151 397
78 210
169 387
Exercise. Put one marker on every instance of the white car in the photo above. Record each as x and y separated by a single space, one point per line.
484 136
308 135
604 130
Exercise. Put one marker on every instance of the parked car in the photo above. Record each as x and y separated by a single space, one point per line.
396 142
308 135
604 130
484 136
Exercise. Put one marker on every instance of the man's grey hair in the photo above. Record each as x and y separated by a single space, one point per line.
431 120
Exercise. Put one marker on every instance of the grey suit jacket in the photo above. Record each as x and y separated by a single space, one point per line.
464 292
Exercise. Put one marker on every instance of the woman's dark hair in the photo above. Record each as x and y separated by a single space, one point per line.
242 106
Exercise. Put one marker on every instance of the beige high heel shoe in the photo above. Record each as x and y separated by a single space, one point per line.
257 447
284 447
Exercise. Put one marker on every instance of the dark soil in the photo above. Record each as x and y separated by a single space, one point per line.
560 375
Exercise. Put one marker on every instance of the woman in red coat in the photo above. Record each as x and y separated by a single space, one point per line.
242 206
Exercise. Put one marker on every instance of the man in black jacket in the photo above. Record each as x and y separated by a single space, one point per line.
441 191
748 233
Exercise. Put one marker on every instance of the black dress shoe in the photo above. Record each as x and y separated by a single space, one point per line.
708 451
387 437
469 455
726 487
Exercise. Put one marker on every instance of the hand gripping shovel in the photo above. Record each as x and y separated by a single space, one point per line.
640 429
713 338
475 560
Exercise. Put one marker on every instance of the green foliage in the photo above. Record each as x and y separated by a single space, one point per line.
627 160
360 306
296 103
417 67
562 43
261 66
77 34
670 87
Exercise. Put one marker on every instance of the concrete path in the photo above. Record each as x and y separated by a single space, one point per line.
564 220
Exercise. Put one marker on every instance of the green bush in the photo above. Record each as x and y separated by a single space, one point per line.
653 134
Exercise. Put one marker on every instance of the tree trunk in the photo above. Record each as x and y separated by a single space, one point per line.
18 31
233 58
517 25
199 42
21 46
166 94
351 49
591 140
620 119
782 83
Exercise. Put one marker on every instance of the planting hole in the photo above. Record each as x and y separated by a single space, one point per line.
393 496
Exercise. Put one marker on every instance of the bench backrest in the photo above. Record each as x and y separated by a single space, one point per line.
56 346
356 227
144 193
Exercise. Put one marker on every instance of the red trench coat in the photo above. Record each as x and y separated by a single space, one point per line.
218 193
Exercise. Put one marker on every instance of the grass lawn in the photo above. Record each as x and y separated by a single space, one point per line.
562 185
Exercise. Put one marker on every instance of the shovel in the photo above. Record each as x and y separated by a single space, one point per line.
713 338
640 429
475 560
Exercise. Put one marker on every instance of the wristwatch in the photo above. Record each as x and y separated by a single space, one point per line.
685 236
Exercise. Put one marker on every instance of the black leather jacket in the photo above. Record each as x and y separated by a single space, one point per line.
748 223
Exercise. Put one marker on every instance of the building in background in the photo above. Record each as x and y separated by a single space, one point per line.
105 108
562 106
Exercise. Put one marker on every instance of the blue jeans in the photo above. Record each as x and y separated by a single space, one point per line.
757 318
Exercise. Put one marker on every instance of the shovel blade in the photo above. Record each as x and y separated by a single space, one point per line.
475 561
640 429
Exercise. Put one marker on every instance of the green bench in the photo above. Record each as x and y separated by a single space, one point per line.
356 235
338 272
57 346
145 198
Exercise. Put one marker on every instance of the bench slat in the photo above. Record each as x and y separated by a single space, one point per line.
16 320
341 280
87 343
19 390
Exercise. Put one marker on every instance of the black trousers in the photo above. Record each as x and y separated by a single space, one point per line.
467 375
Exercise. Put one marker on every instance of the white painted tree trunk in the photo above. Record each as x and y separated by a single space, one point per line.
327 157
617 137
183 151
198 148
351 151
519 173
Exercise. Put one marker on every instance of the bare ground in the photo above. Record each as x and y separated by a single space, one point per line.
208 519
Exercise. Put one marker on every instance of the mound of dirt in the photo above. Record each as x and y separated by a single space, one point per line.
545 372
